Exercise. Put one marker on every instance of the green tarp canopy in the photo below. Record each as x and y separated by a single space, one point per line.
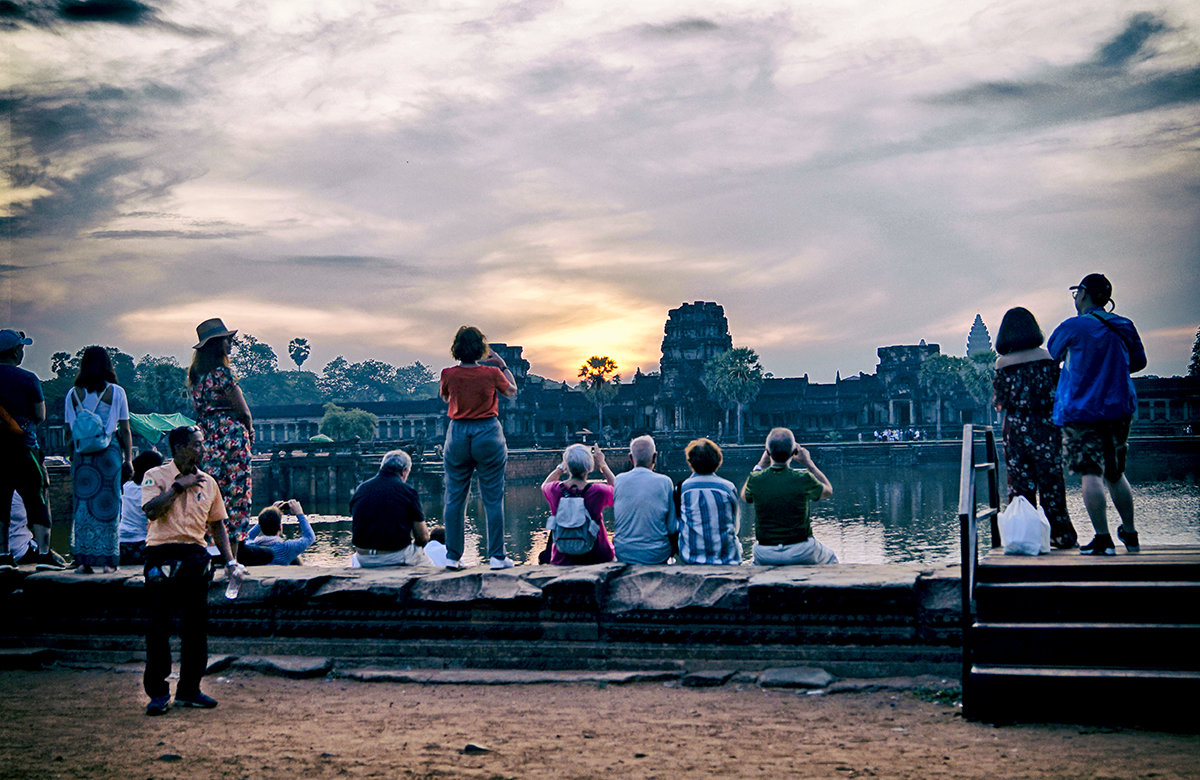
153 427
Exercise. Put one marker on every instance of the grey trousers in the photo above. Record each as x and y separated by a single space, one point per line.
475 447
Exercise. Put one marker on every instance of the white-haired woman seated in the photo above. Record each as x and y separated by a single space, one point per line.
576 524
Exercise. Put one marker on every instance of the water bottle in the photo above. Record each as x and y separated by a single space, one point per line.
235 583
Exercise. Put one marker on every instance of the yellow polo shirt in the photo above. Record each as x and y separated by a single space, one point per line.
186 521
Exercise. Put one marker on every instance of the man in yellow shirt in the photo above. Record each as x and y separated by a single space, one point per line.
182 503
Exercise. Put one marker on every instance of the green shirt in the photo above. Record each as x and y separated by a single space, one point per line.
780 495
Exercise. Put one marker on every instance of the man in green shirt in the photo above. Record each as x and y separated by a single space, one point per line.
780 494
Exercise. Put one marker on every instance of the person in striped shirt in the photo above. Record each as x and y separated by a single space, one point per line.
708 510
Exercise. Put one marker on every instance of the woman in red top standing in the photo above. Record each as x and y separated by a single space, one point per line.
475 441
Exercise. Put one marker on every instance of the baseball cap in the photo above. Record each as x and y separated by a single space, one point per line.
1097 286
10 338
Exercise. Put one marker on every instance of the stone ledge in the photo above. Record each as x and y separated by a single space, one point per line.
889 619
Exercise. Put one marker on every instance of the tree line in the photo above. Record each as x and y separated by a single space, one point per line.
159 384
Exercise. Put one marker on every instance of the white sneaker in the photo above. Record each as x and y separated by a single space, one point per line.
453 564
500 563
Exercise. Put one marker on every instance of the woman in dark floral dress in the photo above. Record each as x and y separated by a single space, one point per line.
1025 381
225 419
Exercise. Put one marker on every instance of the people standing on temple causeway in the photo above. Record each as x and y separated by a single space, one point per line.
22 407
131 531
781 496
475 442
267 533
387 525
183 504
708 510
97 415
1024 385
576 523
645 526
1094 404
222 413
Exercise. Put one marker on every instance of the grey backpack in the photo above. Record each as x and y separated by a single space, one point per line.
572 528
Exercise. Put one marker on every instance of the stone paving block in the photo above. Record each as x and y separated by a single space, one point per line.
876 590
296 667
504 676
795 677
367 588
219 663
707 678
581 588
661 588
477 584
919 682
25 657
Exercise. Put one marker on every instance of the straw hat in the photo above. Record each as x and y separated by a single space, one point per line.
212 329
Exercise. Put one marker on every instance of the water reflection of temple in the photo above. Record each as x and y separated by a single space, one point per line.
673 402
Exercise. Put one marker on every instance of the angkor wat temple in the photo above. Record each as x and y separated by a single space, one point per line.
673 402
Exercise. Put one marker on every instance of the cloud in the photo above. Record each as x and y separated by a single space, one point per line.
1106 85
114 11
690 26
1130 42
51 13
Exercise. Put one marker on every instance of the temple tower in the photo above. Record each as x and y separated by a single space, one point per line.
694 333
978 340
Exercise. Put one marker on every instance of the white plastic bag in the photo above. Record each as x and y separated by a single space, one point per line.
1024 529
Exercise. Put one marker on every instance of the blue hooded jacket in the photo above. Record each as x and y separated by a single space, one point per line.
1099 351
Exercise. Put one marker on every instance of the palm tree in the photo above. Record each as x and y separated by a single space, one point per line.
599 383
298 348
942 375
733 378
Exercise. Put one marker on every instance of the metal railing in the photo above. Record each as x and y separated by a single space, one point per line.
969 514
969 517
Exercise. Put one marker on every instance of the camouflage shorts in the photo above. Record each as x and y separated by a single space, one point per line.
1096 448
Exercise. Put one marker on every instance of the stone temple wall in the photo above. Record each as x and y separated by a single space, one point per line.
853 620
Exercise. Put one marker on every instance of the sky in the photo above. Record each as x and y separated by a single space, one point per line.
839 176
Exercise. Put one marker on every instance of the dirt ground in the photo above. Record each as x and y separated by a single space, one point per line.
65 723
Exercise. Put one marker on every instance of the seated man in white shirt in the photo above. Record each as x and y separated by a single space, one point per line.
645 527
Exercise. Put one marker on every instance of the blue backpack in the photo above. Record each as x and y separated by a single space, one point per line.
88 431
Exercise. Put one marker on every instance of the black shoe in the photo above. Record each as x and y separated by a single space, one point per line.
1130 540
158 705
48 561
196 699
1101 545
1064 541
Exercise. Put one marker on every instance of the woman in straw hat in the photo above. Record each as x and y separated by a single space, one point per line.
225 418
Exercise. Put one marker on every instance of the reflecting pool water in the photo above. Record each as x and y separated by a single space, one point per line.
876 515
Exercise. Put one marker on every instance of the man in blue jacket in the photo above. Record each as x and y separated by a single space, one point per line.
1095 403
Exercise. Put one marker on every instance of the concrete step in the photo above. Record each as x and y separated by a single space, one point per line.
1106 696
1110 645
1091 601
1180 563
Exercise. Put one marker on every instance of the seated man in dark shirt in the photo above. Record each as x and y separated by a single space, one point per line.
388 527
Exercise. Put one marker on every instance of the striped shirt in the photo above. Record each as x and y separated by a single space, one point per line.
708 521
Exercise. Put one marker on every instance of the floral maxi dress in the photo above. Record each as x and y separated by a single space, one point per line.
1033 443
228 442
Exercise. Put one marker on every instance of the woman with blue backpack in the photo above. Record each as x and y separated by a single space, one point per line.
97 414
576 525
